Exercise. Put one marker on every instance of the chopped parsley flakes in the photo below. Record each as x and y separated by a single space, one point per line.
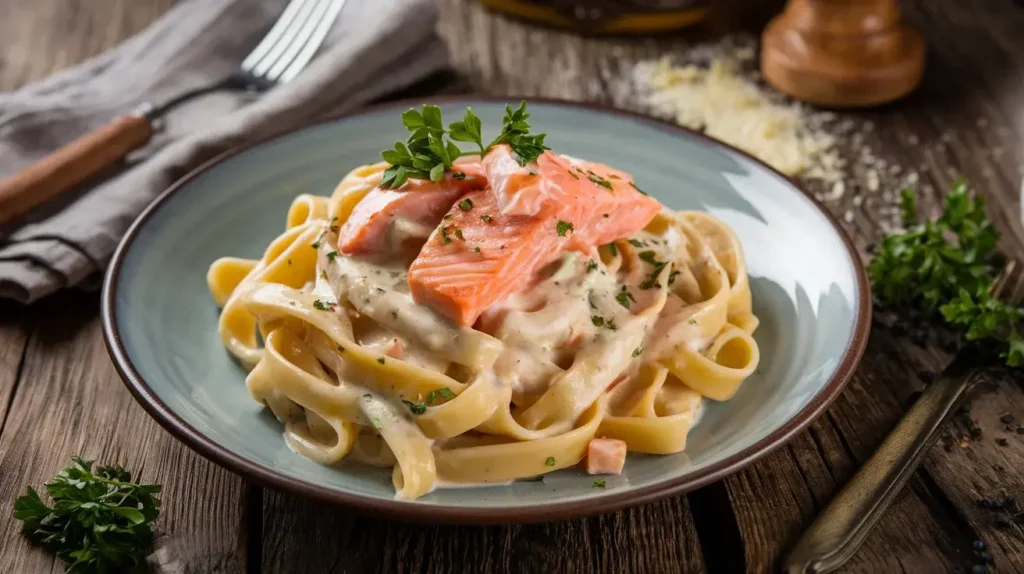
380 359
332 255
323 305
416 408
638 350
574 176
485 218
637 243
597 320
443 393
613 249
637 188
599 483
550 461
458 233
316 244
477 249
466 204
458 175
591 265
599 180
563 227
624 297
444 236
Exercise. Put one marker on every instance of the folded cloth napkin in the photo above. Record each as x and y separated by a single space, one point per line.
376 47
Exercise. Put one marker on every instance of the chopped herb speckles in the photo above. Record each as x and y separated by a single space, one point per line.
597 320
458 233
323 305
445 239
563 227
637 188
458 175
638 350
637 243
466 204
381 360
599 180
485 218
476 249
442 394
613 249
416 408
332 255
591 265
599 483
550 461
624 297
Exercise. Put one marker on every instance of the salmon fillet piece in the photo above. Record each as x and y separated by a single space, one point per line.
602 203
477 257
606 456
387 220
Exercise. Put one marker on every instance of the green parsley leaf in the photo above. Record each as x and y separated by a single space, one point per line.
948 265
563 227
515 132
599 180
323 305
467 130
443 393
416 408
550 461
624 297
100 520
466 204
445 239
599 483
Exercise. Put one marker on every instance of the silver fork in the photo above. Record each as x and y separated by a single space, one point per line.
286 49
844 524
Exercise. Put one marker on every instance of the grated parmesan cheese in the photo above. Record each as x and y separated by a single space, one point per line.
725 105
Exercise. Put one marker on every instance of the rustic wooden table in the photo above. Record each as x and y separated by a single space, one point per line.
60 396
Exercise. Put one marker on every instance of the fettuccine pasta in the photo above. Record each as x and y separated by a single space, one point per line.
357 341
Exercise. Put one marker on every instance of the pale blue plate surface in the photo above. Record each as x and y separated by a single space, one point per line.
808 287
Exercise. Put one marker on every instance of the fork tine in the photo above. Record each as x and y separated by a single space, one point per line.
305 9
272 37
312 44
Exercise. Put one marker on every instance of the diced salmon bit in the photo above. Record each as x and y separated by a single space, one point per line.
479 256
606 456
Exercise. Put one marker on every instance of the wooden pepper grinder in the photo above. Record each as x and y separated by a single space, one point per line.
842 53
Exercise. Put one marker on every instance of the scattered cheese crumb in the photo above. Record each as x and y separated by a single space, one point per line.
723 104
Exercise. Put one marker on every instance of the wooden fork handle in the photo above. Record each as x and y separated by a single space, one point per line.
844 524
72 164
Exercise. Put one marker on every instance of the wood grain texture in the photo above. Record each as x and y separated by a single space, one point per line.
64 397
302 536
71 402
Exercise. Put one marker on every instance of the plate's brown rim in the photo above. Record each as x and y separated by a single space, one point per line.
610 502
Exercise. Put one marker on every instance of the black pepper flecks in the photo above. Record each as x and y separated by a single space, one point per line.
1006 419
1002 442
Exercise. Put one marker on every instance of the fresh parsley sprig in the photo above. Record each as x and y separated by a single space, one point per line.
426 154
100 520
947 267
515 132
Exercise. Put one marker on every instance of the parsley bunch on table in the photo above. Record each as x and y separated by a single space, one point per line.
427 154
100 521
947 267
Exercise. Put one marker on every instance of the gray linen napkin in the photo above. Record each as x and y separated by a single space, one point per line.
376 47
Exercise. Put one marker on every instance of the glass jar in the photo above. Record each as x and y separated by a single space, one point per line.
608 16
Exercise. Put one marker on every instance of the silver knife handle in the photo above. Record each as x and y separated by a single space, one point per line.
844 524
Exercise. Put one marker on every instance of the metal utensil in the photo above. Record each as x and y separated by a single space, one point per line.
844 524
286 49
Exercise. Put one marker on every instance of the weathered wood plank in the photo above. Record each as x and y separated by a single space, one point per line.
13 341
303 536
69 402
41 37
